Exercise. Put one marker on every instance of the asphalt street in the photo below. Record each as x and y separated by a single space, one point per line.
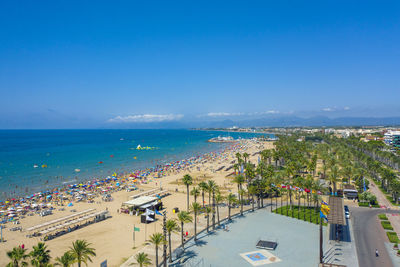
369 235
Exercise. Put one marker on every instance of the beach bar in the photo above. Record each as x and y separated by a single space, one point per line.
142 203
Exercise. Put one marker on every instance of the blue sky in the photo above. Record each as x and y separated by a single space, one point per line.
72 64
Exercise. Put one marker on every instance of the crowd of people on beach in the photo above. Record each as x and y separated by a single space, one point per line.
12 209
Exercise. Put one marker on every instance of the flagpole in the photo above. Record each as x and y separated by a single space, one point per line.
134 239
145 230
321 251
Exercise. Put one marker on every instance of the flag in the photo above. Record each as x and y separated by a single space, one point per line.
149 212
321 215
325 209
136 229
158 213
365 188
324 203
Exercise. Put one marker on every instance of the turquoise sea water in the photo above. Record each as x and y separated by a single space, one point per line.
63 151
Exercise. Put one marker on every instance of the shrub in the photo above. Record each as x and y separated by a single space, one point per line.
366 204
386 225
392 237
369 197
383 217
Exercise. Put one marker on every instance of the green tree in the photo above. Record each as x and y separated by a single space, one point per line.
66 260
17 257
142 259
195 207
218 200
184 217
231 199
157 239
172 226
212 187
187 180
40 255
204 188
207 211
195 193
82 252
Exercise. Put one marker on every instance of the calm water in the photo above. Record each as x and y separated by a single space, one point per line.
63 151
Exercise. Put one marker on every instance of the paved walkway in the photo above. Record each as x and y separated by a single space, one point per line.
394 218
298 242
344 252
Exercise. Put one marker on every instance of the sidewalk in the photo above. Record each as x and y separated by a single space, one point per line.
394 218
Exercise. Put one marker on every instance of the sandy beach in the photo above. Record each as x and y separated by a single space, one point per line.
113 237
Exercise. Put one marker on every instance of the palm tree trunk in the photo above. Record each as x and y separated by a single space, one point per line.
169 246
213 210
195 226
202 194
271 203
229 212
208 222
252 200
157 256
298 214
182 234
218 214
187 197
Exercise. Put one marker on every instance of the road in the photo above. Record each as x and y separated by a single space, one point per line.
369 235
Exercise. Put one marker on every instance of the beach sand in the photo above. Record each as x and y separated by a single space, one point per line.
113 238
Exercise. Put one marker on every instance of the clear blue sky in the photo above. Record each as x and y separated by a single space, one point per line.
95 63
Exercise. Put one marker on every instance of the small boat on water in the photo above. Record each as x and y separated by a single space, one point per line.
77 170
35 166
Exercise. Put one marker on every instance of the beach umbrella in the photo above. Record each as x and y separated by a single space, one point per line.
70 204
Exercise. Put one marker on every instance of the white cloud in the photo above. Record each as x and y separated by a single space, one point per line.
328 109
272 112
346 108
146 118
223 114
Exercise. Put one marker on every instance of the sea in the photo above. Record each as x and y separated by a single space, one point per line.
36 160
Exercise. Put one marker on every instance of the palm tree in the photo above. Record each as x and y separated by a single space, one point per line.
82 251
66 260
246 157
157 239
231 199
252 191
207 211
142 259
195 193
203 187
195 207
184 217
333 177
172 226
239 180
218 199
187 180
17 257
40 255
241 194
212 187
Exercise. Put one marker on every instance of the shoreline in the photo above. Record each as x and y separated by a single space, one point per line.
63 185
117 230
